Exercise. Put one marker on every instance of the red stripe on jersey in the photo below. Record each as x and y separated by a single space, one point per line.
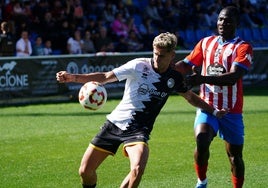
220 100
224 54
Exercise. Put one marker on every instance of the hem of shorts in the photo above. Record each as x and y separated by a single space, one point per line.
132 144
101 149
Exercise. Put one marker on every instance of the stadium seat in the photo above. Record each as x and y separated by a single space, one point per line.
200 33
182 34
92 16
264 32
190 38
140 4
56 52
239 32
137 19
257 37
247 34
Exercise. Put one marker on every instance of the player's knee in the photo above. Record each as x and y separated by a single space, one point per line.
81 172
236 160
203 141
137 171
84 172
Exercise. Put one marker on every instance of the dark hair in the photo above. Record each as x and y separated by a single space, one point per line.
233 11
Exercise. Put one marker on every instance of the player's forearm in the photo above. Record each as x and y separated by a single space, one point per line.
101 77
199 103
221 80
83 78
225 79
196 101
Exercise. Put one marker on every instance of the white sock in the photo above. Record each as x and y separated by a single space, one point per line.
202 182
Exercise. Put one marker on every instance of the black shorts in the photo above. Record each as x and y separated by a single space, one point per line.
110 137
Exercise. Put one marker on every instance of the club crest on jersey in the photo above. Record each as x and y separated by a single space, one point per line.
170 83
143 89
145 72
215 69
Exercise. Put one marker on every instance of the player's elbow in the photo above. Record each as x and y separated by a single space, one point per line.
182 67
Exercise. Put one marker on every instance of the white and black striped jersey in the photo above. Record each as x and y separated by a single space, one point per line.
146 92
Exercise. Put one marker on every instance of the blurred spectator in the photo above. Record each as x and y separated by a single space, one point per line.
102 41
248 14
18 11
110 47
57 19
64 33
7 40
38 48
19 28
57 11
180 42
40 8
78 13
48 47
75 43
133 27
122 45
23 45
92 27
88 45
122 9
183 9
197 16
48 27
151 11
28 11
119 27
170 17
109 13
210 18
8 10
148 32
134 43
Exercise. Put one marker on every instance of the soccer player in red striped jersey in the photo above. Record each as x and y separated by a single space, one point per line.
222 59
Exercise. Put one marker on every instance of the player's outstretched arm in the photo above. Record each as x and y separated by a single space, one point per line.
196 101
225 79
101 77
182 67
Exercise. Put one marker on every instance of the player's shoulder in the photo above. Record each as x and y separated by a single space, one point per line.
141 60
209 38
174 73
244 45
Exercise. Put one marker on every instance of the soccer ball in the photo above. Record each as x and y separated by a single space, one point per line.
92 95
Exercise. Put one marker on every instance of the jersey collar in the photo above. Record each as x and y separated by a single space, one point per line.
221 42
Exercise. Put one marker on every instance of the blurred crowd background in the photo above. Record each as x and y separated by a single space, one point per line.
97 26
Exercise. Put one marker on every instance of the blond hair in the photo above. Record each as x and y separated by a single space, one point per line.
165 41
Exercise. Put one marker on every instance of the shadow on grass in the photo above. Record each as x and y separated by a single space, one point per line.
39 114
256 91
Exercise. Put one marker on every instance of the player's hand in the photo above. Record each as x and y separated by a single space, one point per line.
221 113
63 77
196 78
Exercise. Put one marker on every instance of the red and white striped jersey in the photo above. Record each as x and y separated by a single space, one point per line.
217 57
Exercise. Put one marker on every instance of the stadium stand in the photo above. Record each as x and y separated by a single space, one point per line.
190 27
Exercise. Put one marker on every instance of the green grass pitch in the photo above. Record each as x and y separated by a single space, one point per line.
41 146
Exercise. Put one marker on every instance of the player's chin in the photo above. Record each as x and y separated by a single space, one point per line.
220 31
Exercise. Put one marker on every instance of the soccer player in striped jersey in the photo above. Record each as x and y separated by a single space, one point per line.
223 59
149 82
